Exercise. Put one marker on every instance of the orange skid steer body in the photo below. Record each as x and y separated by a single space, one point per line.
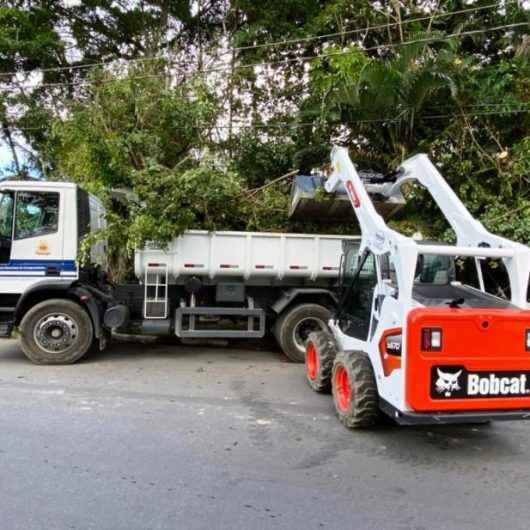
481 360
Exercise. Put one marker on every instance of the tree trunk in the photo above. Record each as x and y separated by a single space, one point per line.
9 139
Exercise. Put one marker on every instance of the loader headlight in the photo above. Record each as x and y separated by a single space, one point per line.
431 339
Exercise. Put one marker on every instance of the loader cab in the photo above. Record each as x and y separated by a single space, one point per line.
348 262
360 280
435 269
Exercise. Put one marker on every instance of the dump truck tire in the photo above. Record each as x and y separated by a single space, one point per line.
354 390
321 351
293 328
56 331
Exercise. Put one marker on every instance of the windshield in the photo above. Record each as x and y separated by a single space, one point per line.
447 281
432 268
6 214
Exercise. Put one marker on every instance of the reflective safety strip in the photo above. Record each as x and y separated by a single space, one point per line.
37 268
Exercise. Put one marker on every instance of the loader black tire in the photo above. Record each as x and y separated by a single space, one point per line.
56 331
289 332
354 390
321 350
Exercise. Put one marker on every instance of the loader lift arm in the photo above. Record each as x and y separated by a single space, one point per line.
472 237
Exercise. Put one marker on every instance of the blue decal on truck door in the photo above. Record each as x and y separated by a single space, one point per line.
29 268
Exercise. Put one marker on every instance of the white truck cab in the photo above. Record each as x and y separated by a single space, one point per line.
41 225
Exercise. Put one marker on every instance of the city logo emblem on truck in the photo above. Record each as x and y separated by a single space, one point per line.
447 383
42 249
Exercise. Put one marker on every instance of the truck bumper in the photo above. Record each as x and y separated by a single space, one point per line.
447 418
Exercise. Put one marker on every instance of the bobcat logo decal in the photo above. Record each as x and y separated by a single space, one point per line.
447 383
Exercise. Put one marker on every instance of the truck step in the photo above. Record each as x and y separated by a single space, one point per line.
156 295
187 322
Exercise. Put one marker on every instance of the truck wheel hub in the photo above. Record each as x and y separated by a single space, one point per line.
303 328
55 333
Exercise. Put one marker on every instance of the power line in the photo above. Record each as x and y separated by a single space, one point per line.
274 43
297 125
285 61
390 45
377 27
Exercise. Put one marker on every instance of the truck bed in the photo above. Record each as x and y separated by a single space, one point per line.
246 255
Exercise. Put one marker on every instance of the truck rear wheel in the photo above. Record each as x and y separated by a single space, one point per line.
354 390
56 331
294 326
320 353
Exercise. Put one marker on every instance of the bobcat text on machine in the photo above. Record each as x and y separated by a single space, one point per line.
203 285
407 339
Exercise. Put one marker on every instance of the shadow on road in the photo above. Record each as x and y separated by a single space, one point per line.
129 350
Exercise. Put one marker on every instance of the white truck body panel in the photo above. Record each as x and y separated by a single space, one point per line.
246 254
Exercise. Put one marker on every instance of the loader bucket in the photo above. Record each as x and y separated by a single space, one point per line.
308 204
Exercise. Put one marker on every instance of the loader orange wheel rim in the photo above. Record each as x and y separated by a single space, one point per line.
311 361
342 389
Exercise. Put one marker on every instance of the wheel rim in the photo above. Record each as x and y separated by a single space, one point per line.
303 328
55 332
342 388
311 360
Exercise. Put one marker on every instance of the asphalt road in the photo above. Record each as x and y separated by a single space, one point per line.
169 437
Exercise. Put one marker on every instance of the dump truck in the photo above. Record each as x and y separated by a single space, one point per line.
408 340
203 285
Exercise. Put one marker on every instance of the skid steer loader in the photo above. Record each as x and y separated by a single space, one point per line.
408 340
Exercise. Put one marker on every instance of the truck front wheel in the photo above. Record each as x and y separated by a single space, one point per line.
294 326
56 331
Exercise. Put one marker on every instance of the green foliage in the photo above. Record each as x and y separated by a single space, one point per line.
28 38
205 151
260 159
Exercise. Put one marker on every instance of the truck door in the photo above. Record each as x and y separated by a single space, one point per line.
6 225
37 236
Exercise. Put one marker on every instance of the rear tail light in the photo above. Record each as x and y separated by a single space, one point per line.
431 339
528 340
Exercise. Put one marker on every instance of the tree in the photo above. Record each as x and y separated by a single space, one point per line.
140 135
220 98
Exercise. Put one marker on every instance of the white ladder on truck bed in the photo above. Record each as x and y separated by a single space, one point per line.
155 293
